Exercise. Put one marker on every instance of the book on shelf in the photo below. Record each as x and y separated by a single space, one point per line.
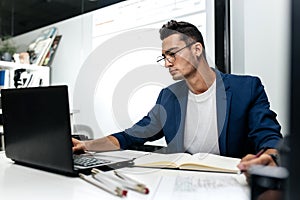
40 46
4 78
50 54
199 161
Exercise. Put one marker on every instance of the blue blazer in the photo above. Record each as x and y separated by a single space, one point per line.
245 122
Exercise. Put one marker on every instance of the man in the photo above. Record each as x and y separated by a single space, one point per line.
207 111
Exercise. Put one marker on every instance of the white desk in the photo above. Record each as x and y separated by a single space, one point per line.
19 182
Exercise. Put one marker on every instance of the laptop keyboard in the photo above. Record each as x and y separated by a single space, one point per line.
86 161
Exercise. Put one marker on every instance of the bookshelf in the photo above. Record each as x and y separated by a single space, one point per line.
31 75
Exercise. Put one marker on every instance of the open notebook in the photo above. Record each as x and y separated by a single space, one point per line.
36 124
199 161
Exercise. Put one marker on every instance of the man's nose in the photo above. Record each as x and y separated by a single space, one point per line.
168 63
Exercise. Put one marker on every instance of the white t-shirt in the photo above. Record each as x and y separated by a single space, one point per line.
201 133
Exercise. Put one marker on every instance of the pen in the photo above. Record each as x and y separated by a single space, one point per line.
131 183
108 182
108 188
261 152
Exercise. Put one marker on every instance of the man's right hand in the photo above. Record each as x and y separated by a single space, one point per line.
78 146
108 143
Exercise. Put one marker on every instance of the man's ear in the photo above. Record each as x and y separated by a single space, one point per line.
198 49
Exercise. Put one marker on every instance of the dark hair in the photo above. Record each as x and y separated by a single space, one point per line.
188 31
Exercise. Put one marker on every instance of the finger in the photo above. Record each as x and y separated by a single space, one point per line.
75 140
78 149
248 157
74 149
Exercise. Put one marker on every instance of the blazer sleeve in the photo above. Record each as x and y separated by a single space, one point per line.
263 126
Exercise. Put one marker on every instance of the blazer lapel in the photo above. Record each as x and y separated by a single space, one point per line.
223 97
181 93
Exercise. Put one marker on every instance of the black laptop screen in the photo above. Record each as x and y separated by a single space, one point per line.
37 127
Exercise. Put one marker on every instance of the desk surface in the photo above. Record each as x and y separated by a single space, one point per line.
19 182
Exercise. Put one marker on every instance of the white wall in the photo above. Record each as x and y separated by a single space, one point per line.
260 47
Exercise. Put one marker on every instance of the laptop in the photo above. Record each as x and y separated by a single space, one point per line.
37 131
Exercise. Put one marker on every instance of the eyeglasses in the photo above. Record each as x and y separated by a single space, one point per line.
170 56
